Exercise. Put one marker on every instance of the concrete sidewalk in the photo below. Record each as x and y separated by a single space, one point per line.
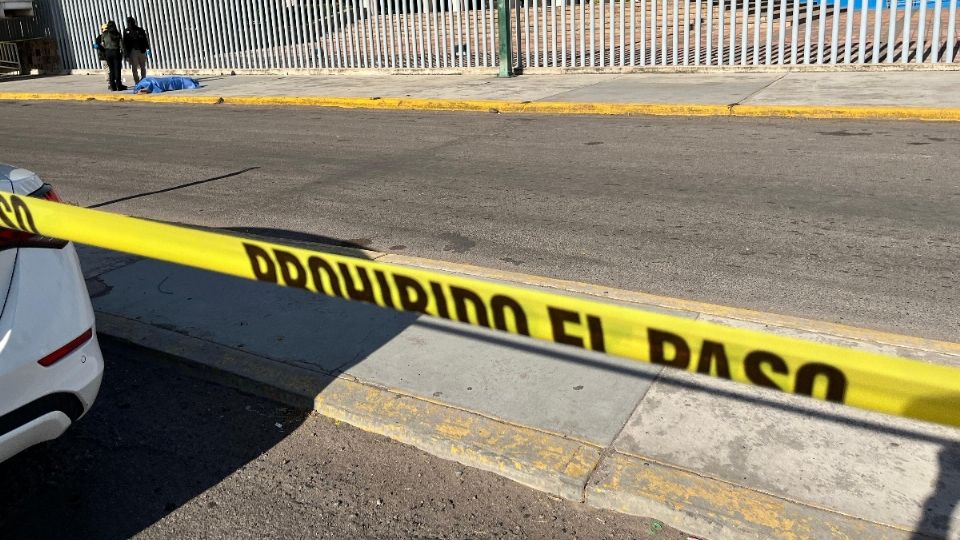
839 94
713 458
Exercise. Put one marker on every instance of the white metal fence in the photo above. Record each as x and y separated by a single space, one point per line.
551 34
294 34
621 33
9 57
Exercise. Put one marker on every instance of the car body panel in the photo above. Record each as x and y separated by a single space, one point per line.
47 427
8 257
46 307
8 260
21 182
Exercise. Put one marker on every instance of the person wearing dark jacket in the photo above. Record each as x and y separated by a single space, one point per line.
112 43
101 52
136 48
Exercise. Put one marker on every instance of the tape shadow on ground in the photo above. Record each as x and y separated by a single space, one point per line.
172 188
315 241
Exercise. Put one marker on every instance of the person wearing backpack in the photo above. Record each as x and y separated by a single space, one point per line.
101 52
112 43
136 47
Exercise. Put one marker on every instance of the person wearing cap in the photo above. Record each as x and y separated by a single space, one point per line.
136 49
101 52
112 43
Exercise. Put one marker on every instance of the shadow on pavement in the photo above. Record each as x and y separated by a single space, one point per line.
172 188
938 508
10 77
155 439
295 236
159 437
154 442
944 499
667 377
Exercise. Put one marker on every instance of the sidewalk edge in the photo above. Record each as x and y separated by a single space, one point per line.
548 462
717 509
544 461
853 112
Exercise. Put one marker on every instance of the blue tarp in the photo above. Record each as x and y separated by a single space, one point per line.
156 85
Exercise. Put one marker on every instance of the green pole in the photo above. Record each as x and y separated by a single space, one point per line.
506 39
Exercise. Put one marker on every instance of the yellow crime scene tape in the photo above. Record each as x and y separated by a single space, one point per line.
860 379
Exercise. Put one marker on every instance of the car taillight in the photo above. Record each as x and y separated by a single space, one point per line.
47 192
13 239
62 352
11 236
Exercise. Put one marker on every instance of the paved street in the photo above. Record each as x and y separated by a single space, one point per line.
836 220
166 455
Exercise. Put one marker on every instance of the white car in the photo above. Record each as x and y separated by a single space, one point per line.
50 361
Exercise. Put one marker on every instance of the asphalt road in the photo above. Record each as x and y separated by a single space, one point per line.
166 455
845 221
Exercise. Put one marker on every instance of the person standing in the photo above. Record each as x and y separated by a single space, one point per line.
101 52
136 47
112 43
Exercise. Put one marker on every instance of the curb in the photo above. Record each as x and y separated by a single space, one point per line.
718 509
560 466
549 462
852 112
578 470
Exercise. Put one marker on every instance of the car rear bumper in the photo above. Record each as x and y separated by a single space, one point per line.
45 428
49 416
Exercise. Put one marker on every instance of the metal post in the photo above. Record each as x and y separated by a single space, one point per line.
506 39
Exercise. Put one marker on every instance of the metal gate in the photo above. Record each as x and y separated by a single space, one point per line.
265 35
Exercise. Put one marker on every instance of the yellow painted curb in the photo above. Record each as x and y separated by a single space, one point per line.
549 462
114 97
718 509
544 461
479 105
945 114
576 470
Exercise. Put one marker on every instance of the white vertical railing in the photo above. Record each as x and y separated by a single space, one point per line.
712 33
455 34
9 56
951 32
